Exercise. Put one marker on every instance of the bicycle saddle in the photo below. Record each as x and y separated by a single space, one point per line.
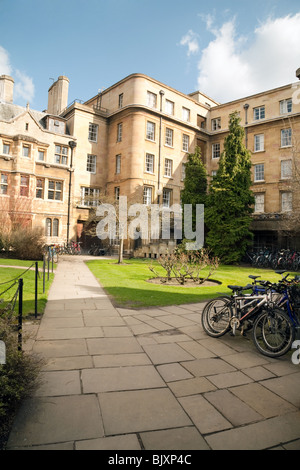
239 288
253 277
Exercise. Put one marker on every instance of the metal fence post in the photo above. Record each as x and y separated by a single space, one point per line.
44 274
36 289
20 317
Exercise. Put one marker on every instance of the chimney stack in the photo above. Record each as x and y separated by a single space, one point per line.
6 88
58 95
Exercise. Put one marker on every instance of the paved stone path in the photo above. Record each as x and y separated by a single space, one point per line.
117 378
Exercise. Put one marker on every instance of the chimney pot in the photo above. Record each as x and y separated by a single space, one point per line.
6 88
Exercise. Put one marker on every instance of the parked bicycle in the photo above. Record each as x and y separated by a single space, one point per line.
269 310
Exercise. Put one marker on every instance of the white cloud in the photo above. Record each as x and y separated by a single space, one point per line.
231 67
24 87
191 41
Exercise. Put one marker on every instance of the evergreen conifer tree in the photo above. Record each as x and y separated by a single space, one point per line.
230 200
195 182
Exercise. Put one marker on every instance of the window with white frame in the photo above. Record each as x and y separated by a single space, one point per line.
150 132
51 227
89 196
185 142
41 155
259 143
168 167
118 164
286 106
93 132
149 163
259 172
147 195
6 148
286 201
26 151
167 193
216 124
91 163
39 190
169 107
169 137
121 100
259 203
151 99
286 169
259 113
4 183
119 132
216 150
61 155
55 190
286 137
186 114
183 167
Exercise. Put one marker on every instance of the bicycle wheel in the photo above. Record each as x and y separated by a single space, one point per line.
273 333
216 317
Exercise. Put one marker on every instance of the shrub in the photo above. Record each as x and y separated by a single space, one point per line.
27 243
18 376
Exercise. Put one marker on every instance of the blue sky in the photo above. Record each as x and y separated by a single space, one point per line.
227 49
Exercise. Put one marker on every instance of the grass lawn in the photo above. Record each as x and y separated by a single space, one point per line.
10 274
128 287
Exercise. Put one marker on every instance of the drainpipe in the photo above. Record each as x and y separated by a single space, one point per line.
246 107
159 192
72 145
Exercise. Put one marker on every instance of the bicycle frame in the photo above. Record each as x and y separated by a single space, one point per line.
241 304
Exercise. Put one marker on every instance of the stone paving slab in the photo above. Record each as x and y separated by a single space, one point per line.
135 379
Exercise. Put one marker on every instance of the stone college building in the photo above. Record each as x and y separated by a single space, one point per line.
137 134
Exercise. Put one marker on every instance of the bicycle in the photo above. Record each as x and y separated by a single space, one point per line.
272 329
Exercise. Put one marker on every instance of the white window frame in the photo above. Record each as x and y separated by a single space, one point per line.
183 168
3 183
286 169
168 167
185 142
91 163
259 113
259 143
93 132
89 197
186 114
6 148
26 151
259 203
147 195
216 150
286 137
259 172
286 201
169 137
286 106
149 163
118 164
150 131
120 132
169 107
166 197
151 99
216 124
